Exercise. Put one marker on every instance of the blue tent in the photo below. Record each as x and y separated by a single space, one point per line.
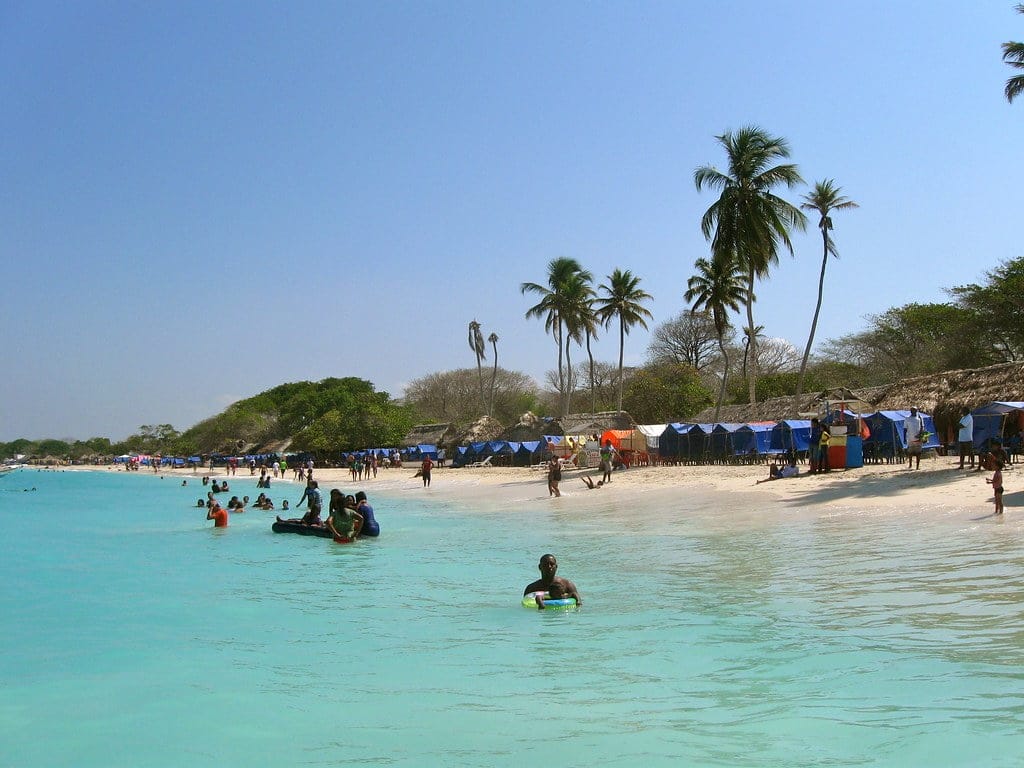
990 422
791 435
888 436
752 439
528 451
684 442
721 443
425 449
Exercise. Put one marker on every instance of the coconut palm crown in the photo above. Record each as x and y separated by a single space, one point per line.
623 299
718 288
556 308
748 222
476 343
1013 54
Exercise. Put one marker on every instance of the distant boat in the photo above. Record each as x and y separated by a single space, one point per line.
9 467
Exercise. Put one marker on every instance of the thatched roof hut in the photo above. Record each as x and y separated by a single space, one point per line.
276 446
788 407
483 429
944 395
594 423
430 434
530 427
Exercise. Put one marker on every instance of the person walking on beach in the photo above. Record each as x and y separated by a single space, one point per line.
607 457
997 486
914 426
556 587
965 437
425 468
554 476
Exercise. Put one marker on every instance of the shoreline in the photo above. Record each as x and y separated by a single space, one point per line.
938 485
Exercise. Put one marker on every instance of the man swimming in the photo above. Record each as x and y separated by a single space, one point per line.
556 587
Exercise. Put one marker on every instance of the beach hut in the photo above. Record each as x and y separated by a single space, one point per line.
998 421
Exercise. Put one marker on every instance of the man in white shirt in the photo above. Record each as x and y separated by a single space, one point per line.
965 438
913 425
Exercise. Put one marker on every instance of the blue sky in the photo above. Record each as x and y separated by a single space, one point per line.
201 200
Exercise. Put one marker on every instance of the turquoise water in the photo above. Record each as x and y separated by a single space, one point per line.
135 635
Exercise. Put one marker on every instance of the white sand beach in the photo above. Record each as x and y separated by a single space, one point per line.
938 486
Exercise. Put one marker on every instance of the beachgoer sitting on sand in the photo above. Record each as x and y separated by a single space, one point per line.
589 482
775 472
556 587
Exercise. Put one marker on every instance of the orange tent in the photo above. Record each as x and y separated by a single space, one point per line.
625 439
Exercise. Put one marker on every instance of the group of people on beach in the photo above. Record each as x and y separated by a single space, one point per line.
608 456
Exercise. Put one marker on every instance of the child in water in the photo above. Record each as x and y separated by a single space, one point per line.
997 486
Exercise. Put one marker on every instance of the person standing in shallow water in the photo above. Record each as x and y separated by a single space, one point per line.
554 476
997 486
556 587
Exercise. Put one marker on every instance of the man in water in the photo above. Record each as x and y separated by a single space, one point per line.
219 515
556 587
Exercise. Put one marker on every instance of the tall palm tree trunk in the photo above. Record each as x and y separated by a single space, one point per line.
622 347
752 370
561 354
494 378
480 376
725 376
567 395
593 391
817 311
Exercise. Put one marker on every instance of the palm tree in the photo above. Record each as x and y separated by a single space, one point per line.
493 341
589 323
577 309
476 343
1013 54
623 298
552 305
718 287
825 198
748 222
